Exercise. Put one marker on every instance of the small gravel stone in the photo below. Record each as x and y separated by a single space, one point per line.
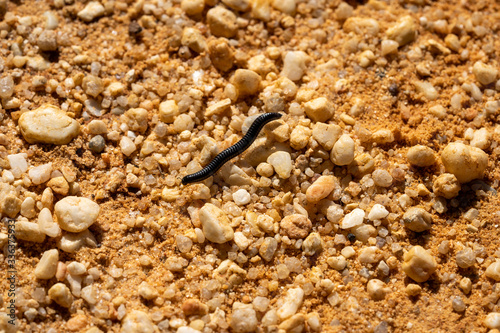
458 304
59 185
413 289
338 263
319 109
61 294
403 31
294 65
127 146
40 174
193 307
137 321
222 22
421 156
72 242
465 285
466 258
353 219
281 161
388 46
48 124
241 197
296 226
47 224
75 214
446 185
97 144
146 291
326 134
292 302
377 212
29 231
91 11
364 231
417 219
312 245
320 189
47 266
485 74
244 320
76 268
6 87
376 289
268 248
493 271
382 178
299 138
216 224
192 7
247 82
343 151
361 26
184 244
193 39
47 41
168 111
419 264
465 162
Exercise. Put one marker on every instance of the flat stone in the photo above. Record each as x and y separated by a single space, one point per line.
48 124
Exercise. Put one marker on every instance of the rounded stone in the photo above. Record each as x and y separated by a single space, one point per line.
76 214
48 124
216 226
419 264
97 144
465 162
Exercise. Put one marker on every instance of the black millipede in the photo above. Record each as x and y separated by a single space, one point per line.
233 151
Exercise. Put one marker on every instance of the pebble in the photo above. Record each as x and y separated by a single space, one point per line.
417 219
18 164
481 139
28 208
47 266
492 320
40 174
338 263
413 289
48 124
29 231
466 258
127 146
47 224
426 89
292 302
369 255
72 242
221 54
320 189
353 219
97 144
238 5
326 134
493 271
376 289
137 321
136 119
295 323
76 214
294 65
146 291
192 7
485 74
377 212
382 178
419 264
92 10
168 111
383 136
403 31
193 39
244 320
216 224
364 231
222 22
59 185
465 162
285 6
247 82
281 162
61 294
76 268
47 41
319 109
421 156
268 248
388 46
446 185
192 307
361 26
6 87
241 240
312 245
299 138
241 197
296 226
10 205
343 151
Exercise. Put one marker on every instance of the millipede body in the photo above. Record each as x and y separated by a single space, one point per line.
234 150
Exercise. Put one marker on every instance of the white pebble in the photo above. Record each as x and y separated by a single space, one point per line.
282 163
18 164
377 212
353 219
292 302
75 214
294 65
343 151
492 320
127 146
40 174
241 197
